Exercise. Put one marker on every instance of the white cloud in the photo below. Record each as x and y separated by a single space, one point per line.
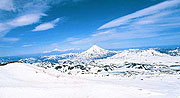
27 45
10 39
22 13
26 19
115 35
156 9
6 5
5 46
158 20
23 20
3 29
71 39
46 26
155 21
102 33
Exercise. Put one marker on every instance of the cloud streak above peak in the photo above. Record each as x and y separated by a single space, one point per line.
46 26
160 20
153 10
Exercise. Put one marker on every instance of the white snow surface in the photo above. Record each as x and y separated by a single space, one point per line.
19 80
149 56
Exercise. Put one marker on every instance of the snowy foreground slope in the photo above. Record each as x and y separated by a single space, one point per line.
94 73
19 80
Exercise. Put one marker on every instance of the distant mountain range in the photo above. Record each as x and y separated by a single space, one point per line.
102 56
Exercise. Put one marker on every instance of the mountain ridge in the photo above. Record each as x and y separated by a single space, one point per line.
103 56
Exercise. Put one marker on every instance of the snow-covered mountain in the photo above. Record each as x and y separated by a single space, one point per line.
172 52
103 62
96 52
149 56
92 53
101 56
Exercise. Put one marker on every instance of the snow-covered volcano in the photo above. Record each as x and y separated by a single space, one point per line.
95 52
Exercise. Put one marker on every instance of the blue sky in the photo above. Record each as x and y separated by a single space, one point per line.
37 26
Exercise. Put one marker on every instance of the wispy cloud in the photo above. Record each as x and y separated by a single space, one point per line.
114 35
20 21
5 46
26 14
3 29
10 39
71 39
6 5
22 13
158 20
103 33
27 45
26 19
46 26
151 11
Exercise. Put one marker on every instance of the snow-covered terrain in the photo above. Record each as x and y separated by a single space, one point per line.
102 56
149 56
93 53
94 73
19 80
97 56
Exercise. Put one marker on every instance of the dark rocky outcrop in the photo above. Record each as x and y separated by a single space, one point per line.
10 63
